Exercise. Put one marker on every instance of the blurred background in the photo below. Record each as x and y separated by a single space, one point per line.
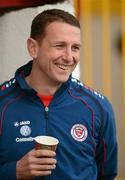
102 64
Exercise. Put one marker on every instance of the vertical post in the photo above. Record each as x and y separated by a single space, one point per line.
106 60
87 70
77 5
123 66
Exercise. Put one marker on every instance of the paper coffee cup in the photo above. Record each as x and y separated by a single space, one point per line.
46 142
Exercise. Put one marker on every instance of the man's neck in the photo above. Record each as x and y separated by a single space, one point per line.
40 86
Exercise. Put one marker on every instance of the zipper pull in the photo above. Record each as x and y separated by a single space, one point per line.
46 112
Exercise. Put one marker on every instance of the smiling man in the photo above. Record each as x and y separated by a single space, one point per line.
44 99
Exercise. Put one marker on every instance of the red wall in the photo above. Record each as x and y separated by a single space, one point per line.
19 3
25 3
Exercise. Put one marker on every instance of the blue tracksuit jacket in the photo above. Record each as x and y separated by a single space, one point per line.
81 118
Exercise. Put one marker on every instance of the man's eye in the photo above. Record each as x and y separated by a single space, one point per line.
75 48
59 45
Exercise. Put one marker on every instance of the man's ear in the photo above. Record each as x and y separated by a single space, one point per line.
32 46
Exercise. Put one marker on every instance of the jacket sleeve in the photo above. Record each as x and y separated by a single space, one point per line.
7 167
106 152
8 171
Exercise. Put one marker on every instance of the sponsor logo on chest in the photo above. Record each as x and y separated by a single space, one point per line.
17 124
24 130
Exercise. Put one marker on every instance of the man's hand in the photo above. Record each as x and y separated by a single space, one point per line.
35 163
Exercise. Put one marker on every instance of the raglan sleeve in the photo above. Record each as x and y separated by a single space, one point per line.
106 151
8 171
7 168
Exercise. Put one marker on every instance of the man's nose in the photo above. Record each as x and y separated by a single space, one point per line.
68 55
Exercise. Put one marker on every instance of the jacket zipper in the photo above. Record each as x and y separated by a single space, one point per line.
46 110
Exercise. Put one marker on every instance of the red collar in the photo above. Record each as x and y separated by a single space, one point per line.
45 99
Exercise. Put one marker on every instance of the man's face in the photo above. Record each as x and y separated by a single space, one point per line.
58 53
